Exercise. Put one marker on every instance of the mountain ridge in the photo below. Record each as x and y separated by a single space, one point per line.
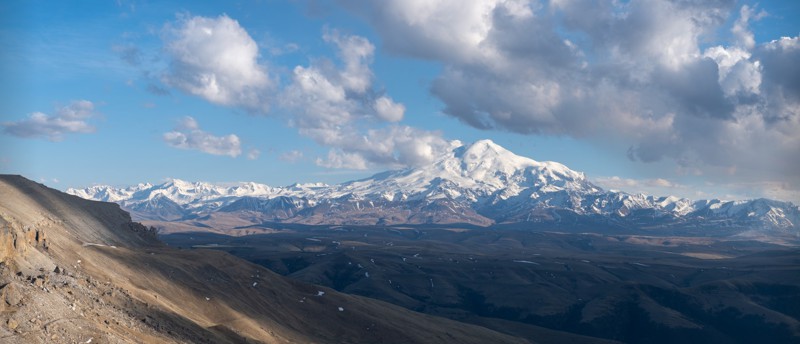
80 271
481 183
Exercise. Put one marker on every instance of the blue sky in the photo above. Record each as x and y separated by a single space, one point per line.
697 99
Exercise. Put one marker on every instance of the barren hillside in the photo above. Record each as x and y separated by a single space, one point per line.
73 270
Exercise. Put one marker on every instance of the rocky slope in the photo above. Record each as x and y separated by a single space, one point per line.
73 270
481 184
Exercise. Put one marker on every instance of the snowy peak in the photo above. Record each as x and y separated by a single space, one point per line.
107 193
485 158
770 213
480 183
474 172
488 151
179 191
489 154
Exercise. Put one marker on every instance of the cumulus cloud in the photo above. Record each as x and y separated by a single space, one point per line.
356 53
626 72
215 58
188 135
69 119
741 29
332 101
388 110
341 159
337 106
394 146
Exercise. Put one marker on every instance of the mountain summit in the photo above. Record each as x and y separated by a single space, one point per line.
481 183
477 173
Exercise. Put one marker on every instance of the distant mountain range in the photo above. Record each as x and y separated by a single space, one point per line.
480 184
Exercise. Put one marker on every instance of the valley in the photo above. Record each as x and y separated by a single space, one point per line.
538 284
532 250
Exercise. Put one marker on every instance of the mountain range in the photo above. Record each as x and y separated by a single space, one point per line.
79 271
479 184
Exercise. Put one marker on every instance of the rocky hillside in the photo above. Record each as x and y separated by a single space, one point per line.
78 271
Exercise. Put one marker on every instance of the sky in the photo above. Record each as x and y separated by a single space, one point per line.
699 99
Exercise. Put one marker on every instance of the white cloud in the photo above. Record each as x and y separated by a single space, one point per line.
188 135
291 156
779 190
333 102
657 187
338 108
636 185
69 119
741 30
316 101
215 58
394 146
442 29
253 154
339 159
786 191
388 110
356 52
613 72
737 72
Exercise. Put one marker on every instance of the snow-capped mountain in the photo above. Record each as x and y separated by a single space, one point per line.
479 173
107 193
482 183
